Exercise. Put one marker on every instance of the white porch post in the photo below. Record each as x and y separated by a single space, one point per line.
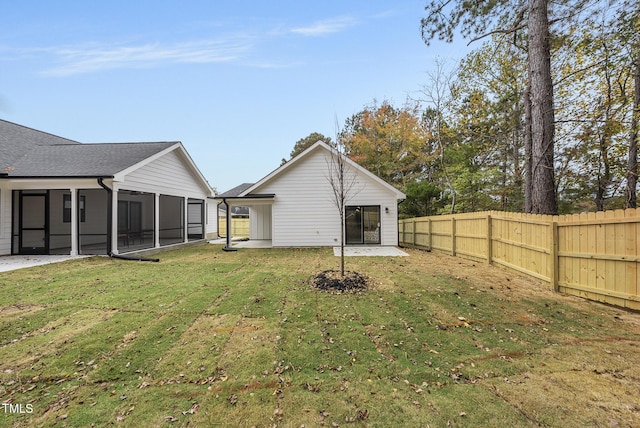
74 221
114 219
186 219
156 221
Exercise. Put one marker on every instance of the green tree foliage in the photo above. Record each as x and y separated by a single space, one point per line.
594 106
513 18
489 127
306 142
423 199
388 141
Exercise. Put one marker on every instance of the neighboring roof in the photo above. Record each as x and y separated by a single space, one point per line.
238 192
320 145
16 140
236 210
84 160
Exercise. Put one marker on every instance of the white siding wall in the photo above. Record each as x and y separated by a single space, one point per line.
260 222
211 228
167 175
304 212
5 220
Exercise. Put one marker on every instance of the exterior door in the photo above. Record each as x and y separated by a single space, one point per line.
362 225
34 227
371 225
195 215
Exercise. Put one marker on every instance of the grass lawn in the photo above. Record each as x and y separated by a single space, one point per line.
208 338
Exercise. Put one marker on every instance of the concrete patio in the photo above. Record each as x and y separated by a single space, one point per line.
365 251
9 263
349 251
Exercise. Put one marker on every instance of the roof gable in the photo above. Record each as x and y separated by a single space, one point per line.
282 170
164 149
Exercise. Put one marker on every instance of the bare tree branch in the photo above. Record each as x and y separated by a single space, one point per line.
343 181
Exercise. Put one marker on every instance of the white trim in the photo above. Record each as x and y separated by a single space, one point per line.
156 221
74 221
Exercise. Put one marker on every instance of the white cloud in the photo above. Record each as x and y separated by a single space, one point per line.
326 26
78 60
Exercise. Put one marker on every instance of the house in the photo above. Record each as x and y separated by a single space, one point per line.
59 196
294 205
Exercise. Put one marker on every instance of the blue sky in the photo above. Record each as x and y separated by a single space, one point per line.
237 82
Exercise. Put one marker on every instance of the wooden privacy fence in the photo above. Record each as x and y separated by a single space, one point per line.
592 255
239 227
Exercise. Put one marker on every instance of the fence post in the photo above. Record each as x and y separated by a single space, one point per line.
413 240
554 256
489 239
453 236
429 241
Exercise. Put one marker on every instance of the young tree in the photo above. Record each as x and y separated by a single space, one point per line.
343 181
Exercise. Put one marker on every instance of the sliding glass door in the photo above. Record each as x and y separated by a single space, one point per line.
362 224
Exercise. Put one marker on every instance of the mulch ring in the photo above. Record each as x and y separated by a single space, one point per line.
332 281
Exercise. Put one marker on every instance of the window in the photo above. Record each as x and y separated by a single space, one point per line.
66 204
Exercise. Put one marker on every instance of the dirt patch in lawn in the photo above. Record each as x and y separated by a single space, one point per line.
8 313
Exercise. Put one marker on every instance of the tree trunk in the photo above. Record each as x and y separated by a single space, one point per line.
543 194
632 162
528 168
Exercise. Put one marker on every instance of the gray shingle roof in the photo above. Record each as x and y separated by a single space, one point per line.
236 191
25 152
16 140
84 160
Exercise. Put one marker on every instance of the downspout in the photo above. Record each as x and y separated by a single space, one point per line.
109 214
228 247
398 220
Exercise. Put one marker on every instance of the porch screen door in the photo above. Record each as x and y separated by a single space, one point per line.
194 220
33 224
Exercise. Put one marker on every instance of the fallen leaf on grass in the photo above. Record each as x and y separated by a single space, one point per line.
192 410
363 414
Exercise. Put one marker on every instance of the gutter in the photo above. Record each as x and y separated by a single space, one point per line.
51 177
